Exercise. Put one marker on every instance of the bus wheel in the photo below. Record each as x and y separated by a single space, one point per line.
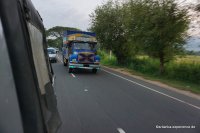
94 70
70 70
65 62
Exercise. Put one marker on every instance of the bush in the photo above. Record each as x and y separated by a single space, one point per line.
180 71
106 60
188 72
145 65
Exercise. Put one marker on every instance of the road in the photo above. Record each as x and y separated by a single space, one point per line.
110 102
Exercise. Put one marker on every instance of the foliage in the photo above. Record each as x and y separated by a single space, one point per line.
184 70
158 26
105 58
55 42
189 59
55 35
155 27
107 22
57 31
188 72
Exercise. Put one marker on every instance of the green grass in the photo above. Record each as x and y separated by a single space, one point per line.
188 59
106 59
182 73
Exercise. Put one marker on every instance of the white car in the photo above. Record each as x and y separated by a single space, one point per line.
57 50
52 54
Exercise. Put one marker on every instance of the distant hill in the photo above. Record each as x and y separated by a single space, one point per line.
193 42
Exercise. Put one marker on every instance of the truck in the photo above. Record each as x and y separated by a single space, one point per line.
80 51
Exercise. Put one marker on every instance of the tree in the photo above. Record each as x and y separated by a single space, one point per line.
58 31
155 27
198 8
55 35
158 27
107 22
54 42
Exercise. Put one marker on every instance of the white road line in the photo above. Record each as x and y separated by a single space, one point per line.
73 75
60 59
194 106
120 130
86 90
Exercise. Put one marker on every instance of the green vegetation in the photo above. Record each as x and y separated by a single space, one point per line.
106 59
54 42
154 27
192 59
55 35
107 22
179 73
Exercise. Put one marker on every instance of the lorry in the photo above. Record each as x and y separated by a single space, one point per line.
80 51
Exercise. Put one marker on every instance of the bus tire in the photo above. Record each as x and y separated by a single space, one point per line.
70 70
94 70
64 61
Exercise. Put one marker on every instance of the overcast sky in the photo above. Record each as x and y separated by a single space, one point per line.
71 13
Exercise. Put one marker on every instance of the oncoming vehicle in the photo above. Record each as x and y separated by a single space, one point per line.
57 50
27 99
52 54
80 51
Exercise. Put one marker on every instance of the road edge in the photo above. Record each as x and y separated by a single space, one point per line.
157 83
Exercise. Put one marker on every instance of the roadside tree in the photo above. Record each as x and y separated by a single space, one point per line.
159 27
55 35
107 22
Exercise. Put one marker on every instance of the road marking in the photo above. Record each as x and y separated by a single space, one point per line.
73 75
120 130
86 90
60 60
194 106
53 80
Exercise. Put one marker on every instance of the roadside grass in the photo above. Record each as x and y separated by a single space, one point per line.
182 73
106 59
188 59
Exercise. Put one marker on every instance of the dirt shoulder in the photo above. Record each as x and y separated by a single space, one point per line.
126 72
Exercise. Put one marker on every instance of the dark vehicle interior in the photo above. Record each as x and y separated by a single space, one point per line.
86 46
27 96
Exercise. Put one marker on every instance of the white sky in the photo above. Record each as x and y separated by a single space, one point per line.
71 13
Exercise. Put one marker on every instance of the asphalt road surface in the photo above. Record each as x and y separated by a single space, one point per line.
110 102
